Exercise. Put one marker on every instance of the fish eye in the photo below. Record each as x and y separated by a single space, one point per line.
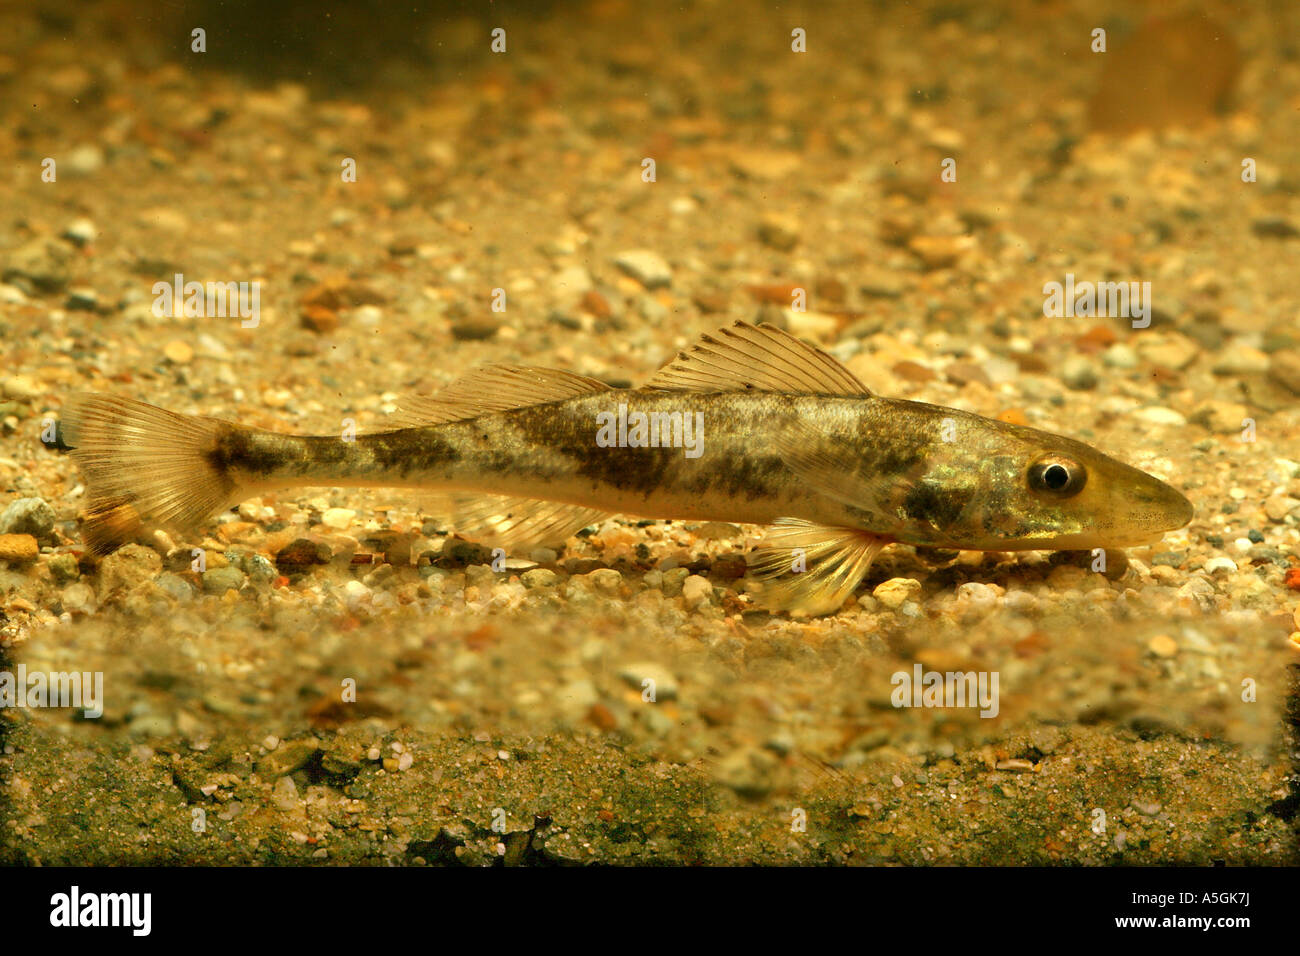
1057 476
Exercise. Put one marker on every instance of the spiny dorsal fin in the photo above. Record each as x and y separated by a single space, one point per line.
493 388
758 357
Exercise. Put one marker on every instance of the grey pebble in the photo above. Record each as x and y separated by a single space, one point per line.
474 330
42 263
480 576
539 578
81 299
1078 373
221 580
176 586
64 568
28 516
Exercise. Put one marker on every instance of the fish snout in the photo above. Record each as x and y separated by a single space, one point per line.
1156 508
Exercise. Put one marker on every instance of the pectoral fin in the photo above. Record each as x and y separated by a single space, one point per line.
811 569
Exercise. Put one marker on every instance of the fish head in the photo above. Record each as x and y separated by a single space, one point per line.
1010 487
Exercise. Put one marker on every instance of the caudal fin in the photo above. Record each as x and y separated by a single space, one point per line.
144 466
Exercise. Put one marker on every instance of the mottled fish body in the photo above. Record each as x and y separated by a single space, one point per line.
751 425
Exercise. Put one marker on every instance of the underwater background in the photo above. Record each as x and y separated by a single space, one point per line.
591 186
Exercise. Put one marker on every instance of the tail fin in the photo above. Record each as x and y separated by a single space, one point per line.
144 466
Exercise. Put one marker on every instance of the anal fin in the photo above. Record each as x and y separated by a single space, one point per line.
811 569
515 524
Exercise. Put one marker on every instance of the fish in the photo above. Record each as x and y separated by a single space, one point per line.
750 425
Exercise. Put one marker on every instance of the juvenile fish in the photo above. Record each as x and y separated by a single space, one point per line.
749 425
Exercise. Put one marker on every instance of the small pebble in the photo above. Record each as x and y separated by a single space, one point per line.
63 568
28 516
778 231
1239 359
607 580
80 232
83 160
1120 356
1221 418
337 518
475 329
18 548
941 252
647 267
1158 415
355 594
1162 645
696 590
81 299
975 600
1170 351
539 578
285 794
1078 373
178 352
78 596
221 580
1277 507
895 591
636 674
1218 564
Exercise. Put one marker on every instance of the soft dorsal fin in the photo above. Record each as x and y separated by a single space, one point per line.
758 357
493 388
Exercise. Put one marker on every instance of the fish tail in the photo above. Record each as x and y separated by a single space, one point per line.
145 466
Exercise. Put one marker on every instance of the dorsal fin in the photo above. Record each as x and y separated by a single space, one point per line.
493 388
758 357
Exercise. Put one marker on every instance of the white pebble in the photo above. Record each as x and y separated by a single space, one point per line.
355 593
975 600
1158 415
895 591
696 590
337 518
